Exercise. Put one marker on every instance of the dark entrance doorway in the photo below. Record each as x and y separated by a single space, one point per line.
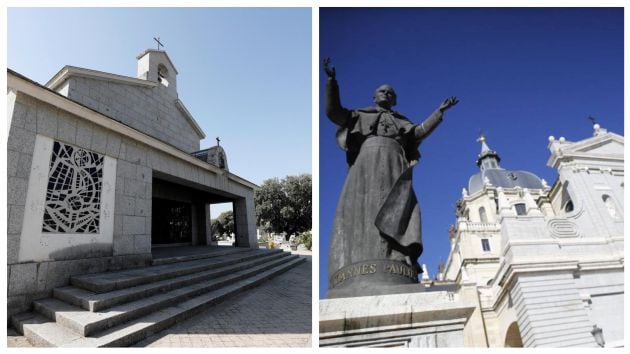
181 216
171 222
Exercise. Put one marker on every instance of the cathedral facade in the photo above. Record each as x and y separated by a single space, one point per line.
546 263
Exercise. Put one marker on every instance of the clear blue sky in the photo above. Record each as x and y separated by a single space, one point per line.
520 74
244 73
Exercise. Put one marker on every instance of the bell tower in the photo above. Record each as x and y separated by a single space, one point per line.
155 65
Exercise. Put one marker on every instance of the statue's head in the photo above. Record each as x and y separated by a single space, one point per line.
385 96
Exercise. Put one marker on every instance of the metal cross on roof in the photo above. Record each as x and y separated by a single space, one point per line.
158 42
592 119
218 141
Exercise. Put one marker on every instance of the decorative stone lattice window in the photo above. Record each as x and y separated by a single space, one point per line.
73 196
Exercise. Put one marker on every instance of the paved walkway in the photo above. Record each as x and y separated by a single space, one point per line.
14 340
275 314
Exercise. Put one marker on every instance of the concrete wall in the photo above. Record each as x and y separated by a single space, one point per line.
149 110
135 165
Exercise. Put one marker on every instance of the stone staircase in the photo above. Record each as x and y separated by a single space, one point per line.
116 309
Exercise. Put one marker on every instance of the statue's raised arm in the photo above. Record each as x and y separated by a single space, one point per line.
448 103
332 102
330 71
425 128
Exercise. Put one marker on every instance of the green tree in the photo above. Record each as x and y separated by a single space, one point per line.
223 224
285 205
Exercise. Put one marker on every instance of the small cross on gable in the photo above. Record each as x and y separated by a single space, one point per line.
158 42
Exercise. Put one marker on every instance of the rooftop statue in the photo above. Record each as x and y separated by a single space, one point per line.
376 237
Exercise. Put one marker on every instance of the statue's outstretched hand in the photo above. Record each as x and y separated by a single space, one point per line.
330 71
448 103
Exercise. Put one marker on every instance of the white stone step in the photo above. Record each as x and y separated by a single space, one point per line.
85 322
41 332
92 301
109 281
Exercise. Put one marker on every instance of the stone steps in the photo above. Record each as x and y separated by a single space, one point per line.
62 324
193 257
92 301
86 322
105 282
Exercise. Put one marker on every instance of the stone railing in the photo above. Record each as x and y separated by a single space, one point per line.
478 226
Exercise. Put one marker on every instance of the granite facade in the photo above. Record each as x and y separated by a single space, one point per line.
137 163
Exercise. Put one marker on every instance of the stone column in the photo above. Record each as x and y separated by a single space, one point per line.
245 222
505 209
195 227
532 208
208 226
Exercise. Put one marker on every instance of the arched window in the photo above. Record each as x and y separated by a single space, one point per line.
482 215
567 203
513 337
568 206
610 206
163 75
520 209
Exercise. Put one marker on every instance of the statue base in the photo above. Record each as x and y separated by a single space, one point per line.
429 319
362 278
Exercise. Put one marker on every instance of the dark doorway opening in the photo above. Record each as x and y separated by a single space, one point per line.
171 222
181 213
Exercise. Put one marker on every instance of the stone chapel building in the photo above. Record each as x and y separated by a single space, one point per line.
102 168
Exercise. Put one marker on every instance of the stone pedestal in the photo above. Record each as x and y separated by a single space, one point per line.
430 319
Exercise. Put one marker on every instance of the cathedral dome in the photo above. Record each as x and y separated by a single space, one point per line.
491 173
499 177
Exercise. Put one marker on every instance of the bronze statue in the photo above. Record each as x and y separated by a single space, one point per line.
376 237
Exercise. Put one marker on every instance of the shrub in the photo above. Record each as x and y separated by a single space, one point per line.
306 238
270 244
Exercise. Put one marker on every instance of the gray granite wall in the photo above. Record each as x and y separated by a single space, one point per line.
149 110
136 163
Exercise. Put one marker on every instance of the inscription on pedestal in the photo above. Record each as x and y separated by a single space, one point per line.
374 269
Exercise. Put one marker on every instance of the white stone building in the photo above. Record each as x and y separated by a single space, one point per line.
102 168
546 262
